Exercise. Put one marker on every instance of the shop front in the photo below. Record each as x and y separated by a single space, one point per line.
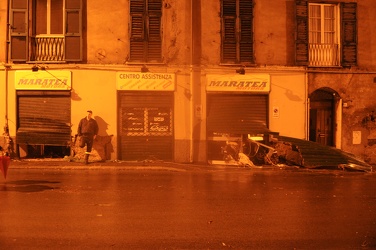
145 116
43 113
237 110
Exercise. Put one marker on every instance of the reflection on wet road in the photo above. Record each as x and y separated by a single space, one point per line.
144 209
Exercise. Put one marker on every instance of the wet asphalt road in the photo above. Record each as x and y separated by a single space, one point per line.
183 209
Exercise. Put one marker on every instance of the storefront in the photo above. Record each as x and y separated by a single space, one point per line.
237 107
145 116
44 113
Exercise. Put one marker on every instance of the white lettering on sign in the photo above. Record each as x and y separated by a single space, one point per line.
158 119
145 81
158 128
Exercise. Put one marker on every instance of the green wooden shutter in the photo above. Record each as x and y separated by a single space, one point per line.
301 41
349 34
154 28
146 37
73 30
18 30
137 9
246 30
229 54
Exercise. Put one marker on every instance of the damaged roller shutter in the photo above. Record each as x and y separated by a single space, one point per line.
44 118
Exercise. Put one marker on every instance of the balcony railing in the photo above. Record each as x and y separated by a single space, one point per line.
323 55
49 48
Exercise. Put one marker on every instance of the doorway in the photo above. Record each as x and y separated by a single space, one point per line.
325 117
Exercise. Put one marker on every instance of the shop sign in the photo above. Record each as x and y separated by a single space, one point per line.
43 80
145 81
239 83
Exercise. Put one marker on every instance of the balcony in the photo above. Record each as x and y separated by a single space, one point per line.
48 48
323 55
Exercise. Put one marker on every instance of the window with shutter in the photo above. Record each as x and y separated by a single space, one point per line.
18 30
326 34
349 31
237 31
145 37
46 30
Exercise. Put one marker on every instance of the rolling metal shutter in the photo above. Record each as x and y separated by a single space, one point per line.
44 118
237 113
145 126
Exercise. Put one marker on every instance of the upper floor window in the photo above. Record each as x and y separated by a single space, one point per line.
237 31
323 35
146 31
326 34
46 30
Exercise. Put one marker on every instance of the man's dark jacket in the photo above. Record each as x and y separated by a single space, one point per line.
87 127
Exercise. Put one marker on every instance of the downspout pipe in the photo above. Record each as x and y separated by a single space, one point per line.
7 67
198 153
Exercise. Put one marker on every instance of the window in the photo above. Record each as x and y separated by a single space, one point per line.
326 34
46 30
146 31
237 31
323 35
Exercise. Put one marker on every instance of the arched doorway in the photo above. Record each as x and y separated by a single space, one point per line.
325 116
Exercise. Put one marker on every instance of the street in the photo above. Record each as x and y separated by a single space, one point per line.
230 208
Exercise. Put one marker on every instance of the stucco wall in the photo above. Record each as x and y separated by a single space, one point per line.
289 97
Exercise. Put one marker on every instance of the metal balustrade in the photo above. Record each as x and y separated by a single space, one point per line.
323 55
49 48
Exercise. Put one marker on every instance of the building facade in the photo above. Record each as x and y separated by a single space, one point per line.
171 79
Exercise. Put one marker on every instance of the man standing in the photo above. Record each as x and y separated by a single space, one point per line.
88 130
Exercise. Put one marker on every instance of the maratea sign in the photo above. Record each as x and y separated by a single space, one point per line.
239 83
145 81
43 80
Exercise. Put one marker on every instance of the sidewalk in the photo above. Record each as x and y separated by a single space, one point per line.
58 163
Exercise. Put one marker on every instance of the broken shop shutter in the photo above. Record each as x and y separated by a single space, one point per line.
301 40
44 118
237 113
18 31
349 34
73 31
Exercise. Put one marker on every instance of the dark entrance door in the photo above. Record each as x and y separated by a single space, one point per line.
322 117
321 123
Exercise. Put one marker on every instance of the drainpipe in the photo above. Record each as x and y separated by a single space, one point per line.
198 152
307 107
8 139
